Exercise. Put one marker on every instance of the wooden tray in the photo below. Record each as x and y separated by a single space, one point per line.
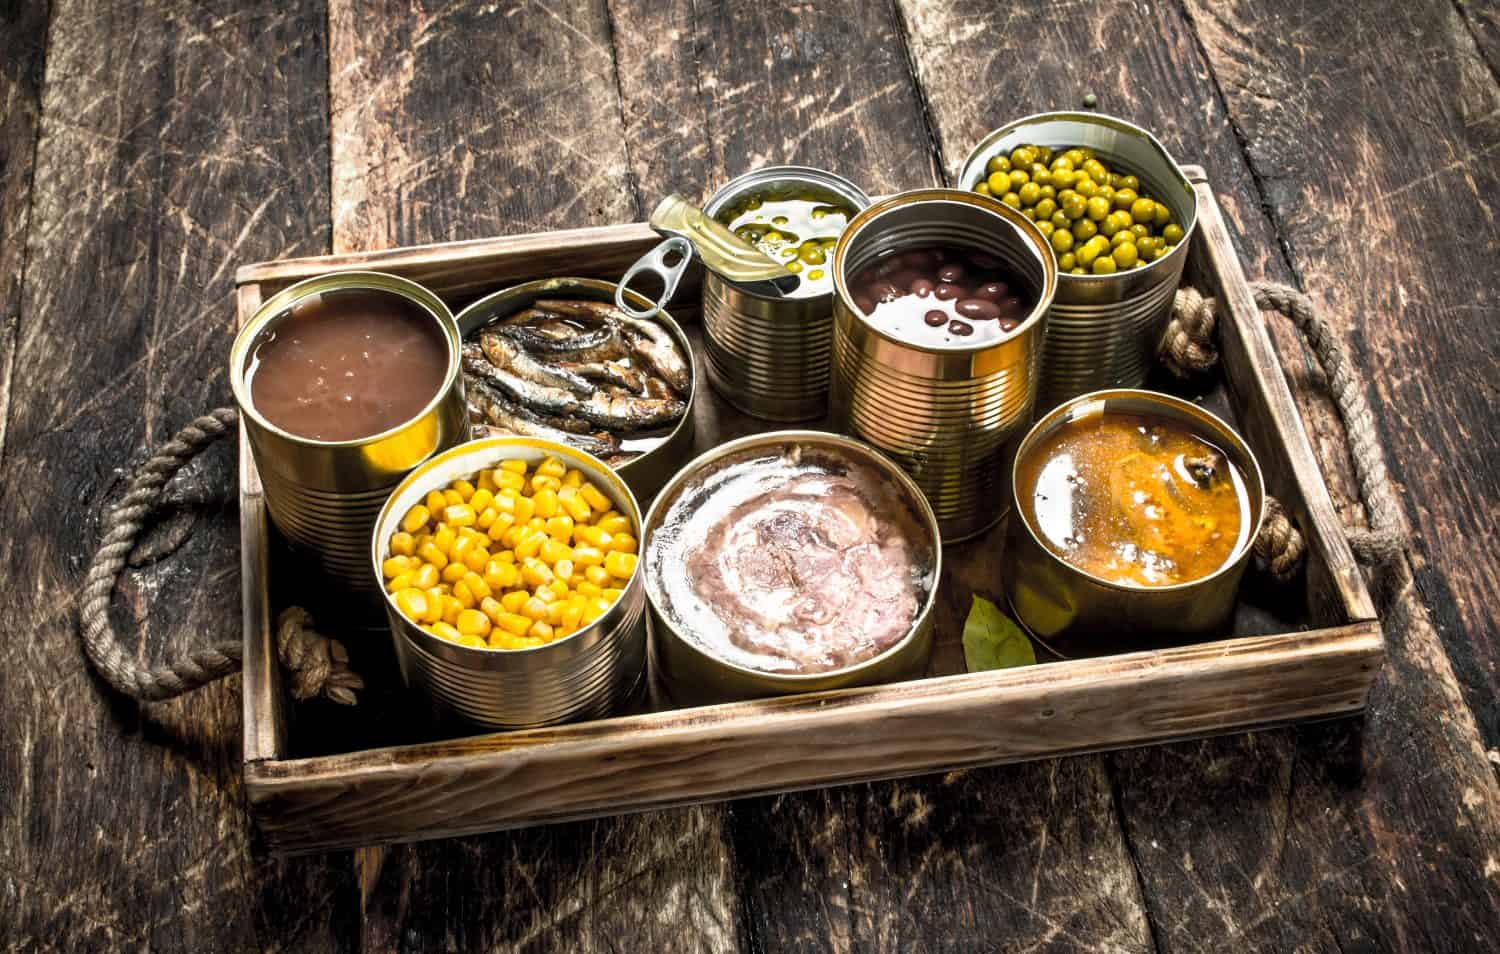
323 777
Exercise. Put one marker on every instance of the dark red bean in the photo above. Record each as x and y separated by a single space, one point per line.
992 291
960 327
922 287
1012 305
921 258
977 309
948 292
983 261
864 303
1009 324
935 318
951 273
886 291
904 277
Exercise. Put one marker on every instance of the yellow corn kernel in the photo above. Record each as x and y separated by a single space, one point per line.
459 547
514 600
514 536
593 609
596 575
529 545
572 615
473 642
535 572
613 523
622 543
620 564
592 536
505 500
451 608
540 630
552 551
394 566
416 518
452 497
588 555
486 518
537 525
572 501
509 480
434 611
412 603
454 572
403 543
446 630
435 501
555 613
491 607
503 523
525 507
514 623
559 528
585 588
476 558
400 582
545 502
513 466
464 595
473 622
534 608
610 594
464 488
594 497
552 467
426 576
505 556
563 569
486 481
543 482
481 498
557 588
573 478
500 575
444 537
477 586
460 515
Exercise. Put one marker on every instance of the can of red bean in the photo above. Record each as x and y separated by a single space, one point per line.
769 356
1102 330
948 411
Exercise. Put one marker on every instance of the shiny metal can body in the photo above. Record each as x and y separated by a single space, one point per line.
1078 614
1103 330
692 675
769 356
324 495
582 676
644 474
950 416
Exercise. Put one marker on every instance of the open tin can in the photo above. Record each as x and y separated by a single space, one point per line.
324 495
660 455
1076 613
949 415
692 674
581 676
1103 330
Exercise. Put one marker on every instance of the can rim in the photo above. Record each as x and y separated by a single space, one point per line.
489 448
982 151
1025 226
1227 434
284 300
607 289
795 435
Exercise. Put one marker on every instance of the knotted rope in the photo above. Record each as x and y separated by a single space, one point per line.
318 665
1188 347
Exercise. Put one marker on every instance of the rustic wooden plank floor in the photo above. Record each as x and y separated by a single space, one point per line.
149 146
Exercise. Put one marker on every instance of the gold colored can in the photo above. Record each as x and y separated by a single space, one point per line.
324 495
1076 613
950 416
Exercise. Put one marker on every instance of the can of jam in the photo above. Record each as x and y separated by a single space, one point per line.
946 382
345 382
769 354
1103 330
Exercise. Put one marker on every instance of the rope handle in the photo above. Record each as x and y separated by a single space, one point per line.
317 664
1188 347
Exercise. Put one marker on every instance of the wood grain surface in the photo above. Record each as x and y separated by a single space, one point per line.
151 146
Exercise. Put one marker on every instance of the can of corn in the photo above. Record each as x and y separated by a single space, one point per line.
581 676
950 416
1103 330
324 495
1075 613
769 356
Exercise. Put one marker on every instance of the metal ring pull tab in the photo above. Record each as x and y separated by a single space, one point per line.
655 262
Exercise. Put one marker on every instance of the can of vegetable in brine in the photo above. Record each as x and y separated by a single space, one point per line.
949 415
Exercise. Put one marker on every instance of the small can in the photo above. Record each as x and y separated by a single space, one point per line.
1103 330
1076 613
324 495
950 416
644 474
584 675
692 675
768 355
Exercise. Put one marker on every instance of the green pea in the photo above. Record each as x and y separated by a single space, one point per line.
1091 250
1044 207
1029 212
1062 241
1012 200
983 188
1143 210
1104 265
1067 262
793 266
1096 171
1140 229
1049 191
1073 204
1125 254
1116 180
1018 178
997 164
1086 187
781 220
1022 157
999 183
1076 157
1064 179
1046 228
1163 215
1043 153
1098 207
1062 164
812 253
1077 271
1060 219
1132 183
1029 192
1124 198
1172 234
1145 245
1085 229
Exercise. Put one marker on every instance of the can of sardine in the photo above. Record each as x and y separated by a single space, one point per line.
769 356
1103 330
584 675
949 414
324 494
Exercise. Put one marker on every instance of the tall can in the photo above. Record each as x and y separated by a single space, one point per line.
1103 330
949 415
323 495
769 355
